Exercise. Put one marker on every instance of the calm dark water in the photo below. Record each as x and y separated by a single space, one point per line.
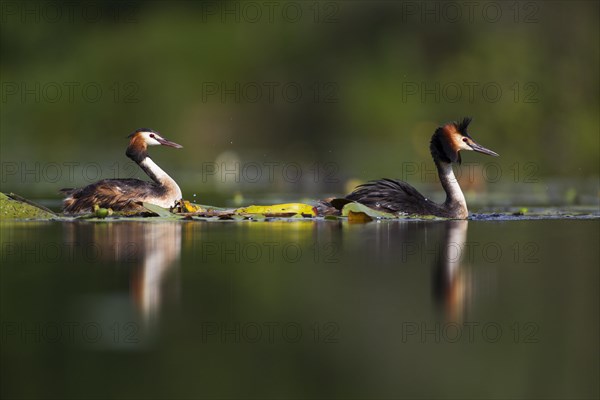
444 309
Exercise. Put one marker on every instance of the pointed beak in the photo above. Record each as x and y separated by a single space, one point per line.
480 149
166 142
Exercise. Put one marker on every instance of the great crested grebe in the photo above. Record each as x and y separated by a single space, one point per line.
125 194
400 198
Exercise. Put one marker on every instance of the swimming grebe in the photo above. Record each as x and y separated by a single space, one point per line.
125 194
400 198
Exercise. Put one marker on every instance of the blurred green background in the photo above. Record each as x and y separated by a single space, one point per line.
306 99
340 91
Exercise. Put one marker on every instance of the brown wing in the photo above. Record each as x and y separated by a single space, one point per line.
118 194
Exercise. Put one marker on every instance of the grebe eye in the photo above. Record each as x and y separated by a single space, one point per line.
152 135
465 140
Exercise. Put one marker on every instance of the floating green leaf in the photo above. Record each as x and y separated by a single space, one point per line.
162 212
361 208
358 217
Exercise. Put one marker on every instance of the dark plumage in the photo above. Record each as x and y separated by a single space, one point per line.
397 197
392 196
109 193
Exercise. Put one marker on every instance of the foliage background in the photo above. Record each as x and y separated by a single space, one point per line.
154 62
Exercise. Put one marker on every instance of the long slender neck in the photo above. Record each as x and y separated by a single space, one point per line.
455 199
156 173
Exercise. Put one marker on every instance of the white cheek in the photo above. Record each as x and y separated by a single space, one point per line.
464 146
149 140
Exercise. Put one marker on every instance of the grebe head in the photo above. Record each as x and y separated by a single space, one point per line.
141 139
151 138
450 139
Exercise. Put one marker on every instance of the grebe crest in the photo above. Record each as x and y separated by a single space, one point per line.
449 139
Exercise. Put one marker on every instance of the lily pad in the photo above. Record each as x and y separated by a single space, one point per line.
358 217
280 209
162 212
361 208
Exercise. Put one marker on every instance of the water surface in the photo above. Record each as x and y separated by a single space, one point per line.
485 309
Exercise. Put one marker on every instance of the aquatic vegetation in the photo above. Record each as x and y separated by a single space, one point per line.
13 206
